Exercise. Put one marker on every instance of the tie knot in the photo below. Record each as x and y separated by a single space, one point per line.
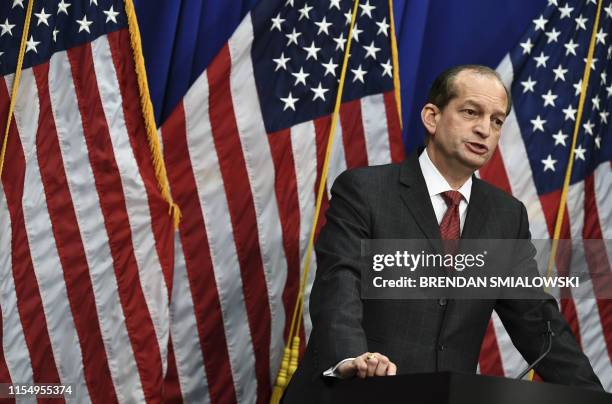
452 198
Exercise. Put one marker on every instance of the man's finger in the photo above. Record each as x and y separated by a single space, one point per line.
391 369
372 364
362 367
383 363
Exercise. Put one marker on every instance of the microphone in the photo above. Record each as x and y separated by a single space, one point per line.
550 334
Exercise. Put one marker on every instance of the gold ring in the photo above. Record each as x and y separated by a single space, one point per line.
369 356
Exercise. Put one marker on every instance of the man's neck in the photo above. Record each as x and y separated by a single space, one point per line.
455 176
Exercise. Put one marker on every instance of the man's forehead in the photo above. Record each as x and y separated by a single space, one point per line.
477 88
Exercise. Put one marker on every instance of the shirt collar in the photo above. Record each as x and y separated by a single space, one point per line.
436 183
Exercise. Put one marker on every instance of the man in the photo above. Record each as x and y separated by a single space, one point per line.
432 195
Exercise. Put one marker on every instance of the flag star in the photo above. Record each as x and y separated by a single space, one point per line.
570 113
356 33
588 127
93 2
323 26
570 47
293 37
538 124
371 51
330 68
319 92
549 98
604 78
578 87
549 163
340 41
540 23
528 85
601 36
276 22
527 46
598 141
111 15
592 62
580 22
62 7
560 138
608 11
595 100
592 1
334 3
348 16
552 35
289 3
387 68
55 32
300 77
565 11
560 73
366 9
304 12
31 44
289 101
609 90
311 50
359 74
6 28
603 115
553 2
579 153
281 62
42 17
17 3
383 27
541 60
84 24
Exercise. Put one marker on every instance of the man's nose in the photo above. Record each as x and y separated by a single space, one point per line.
483 127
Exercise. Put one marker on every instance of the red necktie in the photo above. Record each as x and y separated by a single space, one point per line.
450 228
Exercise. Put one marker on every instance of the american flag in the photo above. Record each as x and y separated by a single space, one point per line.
544 73
244 151
86 240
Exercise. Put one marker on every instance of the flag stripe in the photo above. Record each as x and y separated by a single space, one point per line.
258 159
337 158
490 359
396 143
218 224
185 337
286 194
242 213
124 81
511 359
375 123
43 251
354 138
195 247
151 276
15 355
81 182
172 388
108 181
70 247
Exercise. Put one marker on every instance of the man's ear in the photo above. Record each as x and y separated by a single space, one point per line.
429 116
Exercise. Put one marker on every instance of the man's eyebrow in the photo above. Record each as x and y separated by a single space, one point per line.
478 105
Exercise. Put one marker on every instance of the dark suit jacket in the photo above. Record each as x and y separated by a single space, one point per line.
392 202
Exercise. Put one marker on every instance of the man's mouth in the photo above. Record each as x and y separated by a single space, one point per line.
477 148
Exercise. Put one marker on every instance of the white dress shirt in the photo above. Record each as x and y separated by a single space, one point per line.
436 185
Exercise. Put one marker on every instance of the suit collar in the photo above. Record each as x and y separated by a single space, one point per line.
415 195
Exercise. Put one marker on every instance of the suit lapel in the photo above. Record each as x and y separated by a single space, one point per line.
413 191
477 212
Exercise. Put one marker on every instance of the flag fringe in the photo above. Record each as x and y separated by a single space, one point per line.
148 115
394 56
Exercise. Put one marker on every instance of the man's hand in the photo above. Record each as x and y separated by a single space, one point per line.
367 365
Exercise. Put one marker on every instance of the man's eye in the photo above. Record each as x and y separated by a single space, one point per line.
498 122
469 111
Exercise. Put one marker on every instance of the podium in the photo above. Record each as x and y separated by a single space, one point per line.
458 388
